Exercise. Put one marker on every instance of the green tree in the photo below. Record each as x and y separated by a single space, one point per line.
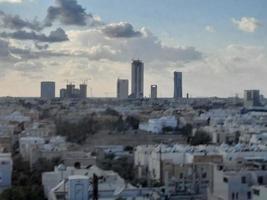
200 137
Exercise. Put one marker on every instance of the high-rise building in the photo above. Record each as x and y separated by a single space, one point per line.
48 89
70 90
153 91
62 93
178 87
252 98
137 79
83 90
122 88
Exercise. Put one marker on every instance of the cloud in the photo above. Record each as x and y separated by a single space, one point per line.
58 35
15 22
11 1
40 46
227 72
121 29
247 24
69 12
210 29
94 44
3 48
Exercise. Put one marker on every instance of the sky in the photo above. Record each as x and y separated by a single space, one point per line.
220 46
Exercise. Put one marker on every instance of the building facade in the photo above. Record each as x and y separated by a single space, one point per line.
48 89
178 87
137 79
122 88
252 98
6 166
83 91
154 91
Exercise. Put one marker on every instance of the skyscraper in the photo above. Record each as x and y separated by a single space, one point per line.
137 79
178 87
153 92
122 88
252 98
48 89
83 90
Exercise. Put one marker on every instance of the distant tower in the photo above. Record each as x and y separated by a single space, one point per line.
70 90
252 98
62 93
153 91
48 89
122 88
178 87
83 91
137 79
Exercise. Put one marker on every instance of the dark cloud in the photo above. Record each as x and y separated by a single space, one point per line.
15 22
58 35
68 12
122 29
3 48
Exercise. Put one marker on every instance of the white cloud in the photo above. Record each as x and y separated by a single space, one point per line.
227 72
247 24
94 44
210 29
11 1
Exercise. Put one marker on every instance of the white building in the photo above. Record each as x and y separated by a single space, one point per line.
259 192
122 88
156 125
6 166
252 98
148 158
62 179
236 184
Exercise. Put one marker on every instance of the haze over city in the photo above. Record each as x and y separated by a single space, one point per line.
220 46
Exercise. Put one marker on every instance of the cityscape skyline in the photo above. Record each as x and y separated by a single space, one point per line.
96 43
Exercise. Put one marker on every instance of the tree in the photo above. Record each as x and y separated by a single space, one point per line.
132 122
200 137
27 183
79 131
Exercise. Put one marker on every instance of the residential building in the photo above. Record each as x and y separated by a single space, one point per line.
6 166
252 98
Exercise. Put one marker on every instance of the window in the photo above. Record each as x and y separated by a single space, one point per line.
236 195
181 175
225 179
233 195
249 195
256 192
260 180
204 175
243 179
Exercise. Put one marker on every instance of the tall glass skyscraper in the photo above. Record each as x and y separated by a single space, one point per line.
178 87
137 79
